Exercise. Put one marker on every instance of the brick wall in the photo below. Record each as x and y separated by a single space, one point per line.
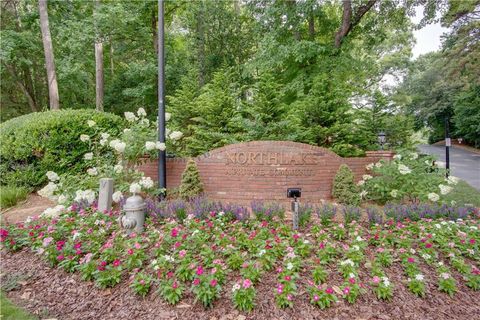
264 170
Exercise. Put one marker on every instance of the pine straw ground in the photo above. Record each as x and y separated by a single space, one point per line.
53 293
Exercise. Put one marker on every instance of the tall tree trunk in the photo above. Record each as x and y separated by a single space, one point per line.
98 62
348 23
112 67
154 30
31 101
311 26
201 45
49 59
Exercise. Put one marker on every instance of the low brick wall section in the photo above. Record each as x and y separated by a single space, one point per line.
263 170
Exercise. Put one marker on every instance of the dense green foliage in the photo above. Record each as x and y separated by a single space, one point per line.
344 189
50 141
446 84
10 196
191 185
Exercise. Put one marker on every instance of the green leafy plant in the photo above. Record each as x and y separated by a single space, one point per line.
141 283
344 189
171 290
244 295
191 185
321 298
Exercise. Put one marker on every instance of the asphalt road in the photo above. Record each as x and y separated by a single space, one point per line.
463 164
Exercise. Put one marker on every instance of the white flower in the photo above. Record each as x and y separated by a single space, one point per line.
160 146
426 256
452 180
92 171
141 112
355 248
445 275
135 188
84 137
445 189
168 258
117 196
397 157
403 169
358 238
103 142
127 130
363 194
413 156
453 203
150 145
306 242
428 163
440 263
348 261
394 193
437 226
235 287
88 156
130 116
378 164
289 266
262 252
62 199
76 235
118 168
419 277
369 166
144 122
360 183
146 182
85 195
91 123
366 177
386 281
52 176
105 135
167 116
53 212
432 196
176 135
48 190
118 145
412 251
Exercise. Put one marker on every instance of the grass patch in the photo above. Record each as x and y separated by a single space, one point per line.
9 311
463 193
10 196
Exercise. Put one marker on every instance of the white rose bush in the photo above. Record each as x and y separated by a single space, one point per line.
406 178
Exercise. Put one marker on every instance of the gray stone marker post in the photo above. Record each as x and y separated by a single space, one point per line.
105 194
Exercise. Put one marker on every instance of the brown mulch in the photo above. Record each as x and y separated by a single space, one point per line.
32 206
53 293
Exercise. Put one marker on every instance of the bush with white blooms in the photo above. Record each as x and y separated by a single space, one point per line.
406 178
136 141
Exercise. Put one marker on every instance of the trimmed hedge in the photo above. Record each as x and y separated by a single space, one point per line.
39 142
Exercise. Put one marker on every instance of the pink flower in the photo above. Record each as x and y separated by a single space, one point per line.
77 245
47 241
316 298
402 250
174 232
346 290
322 245
428 245
289 297
213 271
411 260
175 284
196 282
78 252
213 283
280 288
351 280
116 263
60 257
329 291
142 282
130 251
376 280
199 270
247 283
137 245
296 236
170 274
472 241
287 278
380 250
177 244
182 253
103 263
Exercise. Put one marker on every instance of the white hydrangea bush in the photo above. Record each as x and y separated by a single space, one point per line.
138 139
407 177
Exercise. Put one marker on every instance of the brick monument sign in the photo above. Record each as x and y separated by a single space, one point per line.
263 170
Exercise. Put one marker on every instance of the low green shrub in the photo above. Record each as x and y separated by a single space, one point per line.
344 189
191 185
10 196
50 141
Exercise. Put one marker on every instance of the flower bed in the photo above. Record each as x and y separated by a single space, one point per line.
205 258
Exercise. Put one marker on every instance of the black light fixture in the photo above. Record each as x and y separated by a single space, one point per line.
381 139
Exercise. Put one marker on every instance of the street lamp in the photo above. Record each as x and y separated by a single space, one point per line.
162 157
381 139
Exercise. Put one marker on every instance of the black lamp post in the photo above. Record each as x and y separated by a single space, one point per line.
381 139
448 143
162 158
